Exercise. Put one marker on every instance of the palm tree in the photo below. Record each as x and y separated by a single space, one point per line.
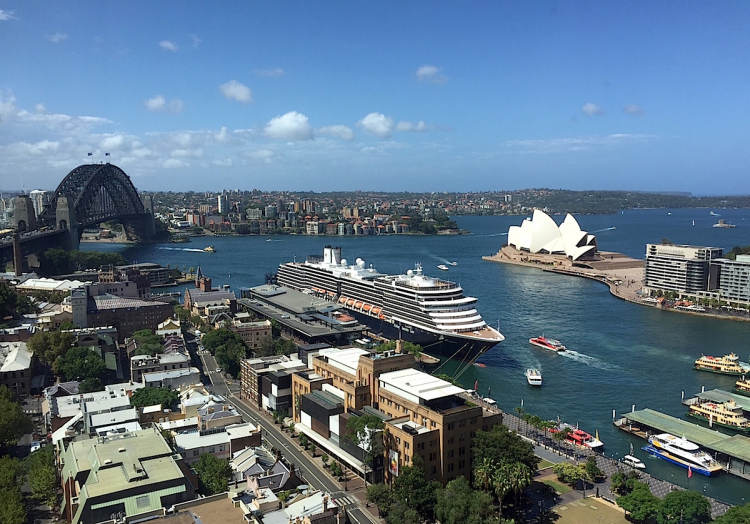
520 412
501 484
520 476
483 474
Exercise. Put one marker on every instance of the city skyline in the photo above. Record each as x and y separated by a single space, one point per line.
389 97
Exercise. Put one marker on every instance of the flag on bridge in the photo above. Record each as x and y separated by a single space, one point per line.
690 471
106 154
91 154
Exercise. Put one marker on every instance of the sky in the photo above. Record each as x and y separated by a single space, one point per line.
385 96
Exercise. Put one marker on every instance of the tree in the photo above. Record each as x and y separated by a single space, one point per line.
80 363
380 495
90 385
412 489
230 355
735 515
458 504
409 347
640 503
147 342
325 458
219 337
150 396
12 510
303 441
690 507
366 432
48 346
169 438
449 379
213 473
569 473
499 445
312 448
593 472
14 423
41 474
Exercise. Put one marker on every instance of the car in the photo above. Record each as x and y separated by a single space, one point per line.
284 316
218 370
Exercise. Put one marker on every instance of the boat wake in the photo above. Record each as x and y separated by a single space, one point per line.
586 359
191 249
605 229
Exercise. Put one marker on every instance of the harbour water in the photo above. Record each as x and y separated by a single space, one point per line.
620 354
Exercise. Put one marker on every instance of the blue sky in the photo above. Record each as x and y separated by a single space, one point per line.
417 96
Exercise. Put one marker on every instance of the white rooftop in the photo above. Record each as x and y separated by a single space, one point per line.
417 386
14 356
99 420
179 425
158 376
307 506
193 439
241 430
347 360
49 284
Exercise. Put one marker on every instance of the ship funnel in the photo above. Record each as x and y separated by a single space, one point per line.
336 254
327 254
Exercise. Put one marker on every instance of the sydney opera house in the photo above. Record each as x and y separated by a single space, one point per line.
541 235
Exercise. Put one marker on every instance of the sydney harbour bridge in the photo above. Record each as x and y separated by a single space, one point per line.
89 195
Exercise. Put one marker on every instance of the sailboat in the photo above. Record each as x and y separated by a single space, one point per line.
693 222
596 443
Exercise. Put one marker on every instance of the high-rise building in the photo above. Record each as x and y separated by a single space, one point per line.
685 269
223 204
39 199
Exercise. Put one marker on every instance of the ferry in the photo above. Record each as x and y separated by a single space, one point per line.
443 267
726 365
633 462
742 387
209 249
424 310
579 437
547 343
682 452
726 414
723 224
534 377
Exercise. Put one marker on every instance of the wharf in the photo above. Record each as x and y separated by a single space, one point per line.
719 396
732 452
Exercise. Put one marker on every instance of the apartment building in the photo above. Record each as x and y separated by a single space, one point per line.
680 268
734 279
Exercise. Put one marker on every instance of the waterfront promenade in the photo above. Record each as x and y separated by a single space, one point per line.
554 452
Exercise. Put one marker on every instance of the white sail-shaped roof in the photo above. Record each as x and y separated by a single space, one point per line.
542 235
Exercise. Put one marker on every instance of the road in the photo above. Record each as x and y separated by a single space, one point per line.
313 474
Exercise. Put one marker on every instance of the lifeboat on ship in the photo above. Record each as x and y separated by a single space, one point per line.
358 305
350 302
342 300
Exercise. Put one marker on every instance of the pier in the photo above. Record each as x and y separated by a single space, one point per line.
732 452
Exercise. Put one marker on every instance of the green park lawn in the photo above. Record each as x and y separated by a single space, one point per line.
589 511
556 485
544 464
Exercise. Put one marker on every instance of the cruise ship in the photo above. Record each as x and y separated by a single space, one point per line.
428 311
682 452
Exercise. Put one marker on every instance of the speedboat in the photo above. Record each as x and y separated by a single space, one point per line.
547 343
452 263
633 462
534 377
209 249
443 267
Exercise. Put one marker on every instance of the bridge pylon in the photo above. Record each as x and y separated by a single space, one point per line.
65 218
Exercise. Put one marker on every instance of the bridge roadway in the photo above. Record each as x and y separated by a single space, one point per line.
31 242
310 470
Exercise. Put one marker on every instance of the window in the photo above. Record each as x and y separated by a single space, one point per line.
142 502
450 466
434 469
461 464
406 445
450 455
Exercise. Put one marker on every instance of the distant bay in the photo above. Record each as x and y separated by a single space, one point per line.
621 354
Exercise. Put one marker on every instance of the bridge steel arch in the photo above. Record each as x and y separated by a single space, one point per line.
95 193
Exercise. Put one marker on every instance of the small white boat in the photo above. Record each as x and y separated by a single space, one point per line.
453 263
443 267
633 462
534 377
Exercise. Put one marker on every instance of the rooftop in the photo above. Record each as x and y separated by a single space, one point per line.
347 360
14 356
417 386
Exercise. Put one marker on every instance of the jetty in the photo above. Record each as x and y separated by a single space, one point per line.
732 452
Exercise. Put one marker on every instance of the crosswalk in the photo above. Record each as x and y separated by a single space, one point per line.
345 500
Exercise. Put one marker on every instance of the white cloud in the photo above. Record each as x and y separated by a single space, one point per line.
339 131
572 144
272 73
196 41
174 163
39 108
290 126
193 153
57 37
7 15
410 126
431 74
264 155
237 91
169 45
226 162
377 124
592 109
112 142
633 109
160 104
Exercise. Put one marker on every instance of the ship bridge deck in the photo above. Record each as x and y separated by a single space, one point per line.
650 422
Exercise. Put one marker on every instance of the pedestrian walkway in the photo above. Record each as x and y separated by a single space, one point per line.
555 452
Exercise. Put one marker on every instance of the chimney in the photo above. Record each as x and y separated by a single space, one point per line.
225 408
325 503
399 346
